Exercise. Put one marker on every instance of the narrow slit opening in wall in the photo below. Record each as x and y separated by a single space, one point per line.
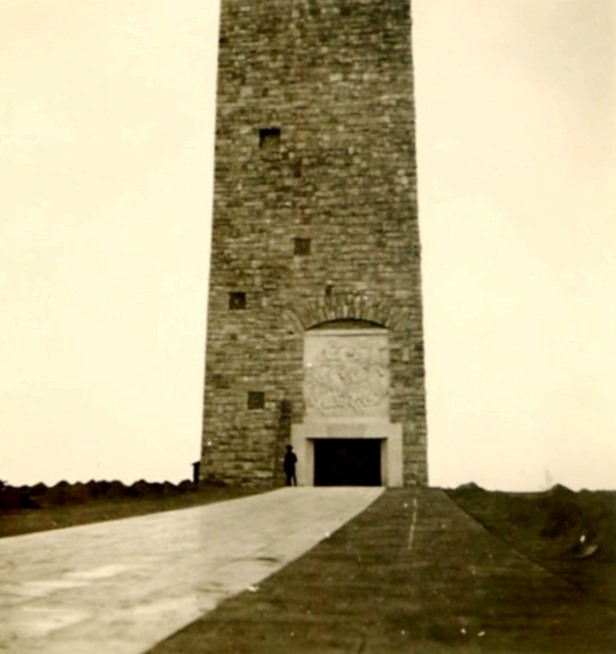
256 400
269 138
237 300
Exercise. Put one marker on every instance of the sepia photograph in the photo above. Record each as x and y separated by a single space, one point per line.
307 338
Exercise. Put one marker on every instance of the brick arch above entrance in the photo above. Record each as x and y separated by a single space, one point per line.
346 436
371 309
346 323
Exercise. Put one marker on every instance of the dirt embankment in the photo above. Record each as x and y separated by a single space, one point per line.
28 509
572 534
62 494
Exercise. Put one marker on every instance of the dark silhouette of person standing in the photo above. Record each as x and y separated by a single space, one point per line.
289 466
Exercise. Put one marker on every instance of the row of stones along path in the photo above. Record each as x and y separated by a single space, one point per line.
413 573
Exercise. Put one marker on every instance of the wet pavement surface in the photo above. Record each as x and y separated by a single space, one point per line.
413 573
122 586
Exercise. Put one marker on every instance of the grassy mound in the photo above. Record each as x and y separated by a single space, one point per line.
29 509
572 534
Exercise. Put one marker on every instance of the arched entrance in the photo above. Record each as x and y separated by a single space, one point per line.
346 437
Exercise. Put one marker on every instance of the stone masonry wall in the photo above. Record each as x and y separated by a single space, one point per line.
315 218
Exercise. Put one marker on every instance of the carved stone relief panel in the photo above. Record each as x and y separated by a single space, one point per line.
346 373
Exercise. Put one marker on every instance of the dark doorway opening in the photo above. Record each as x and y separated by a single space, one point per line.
347 462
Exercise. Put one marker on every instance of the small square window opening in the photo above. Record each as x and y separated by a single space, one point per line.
302 246
237 300
256 400
269 138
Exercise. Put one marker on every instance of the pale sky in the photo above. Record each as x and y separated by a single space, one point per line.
106 134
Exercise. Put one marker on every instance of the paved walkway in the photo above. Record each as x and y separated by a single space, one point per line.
120 587
412 573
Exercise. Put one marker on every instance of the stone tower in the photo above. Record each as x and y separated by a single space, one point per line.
315 313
